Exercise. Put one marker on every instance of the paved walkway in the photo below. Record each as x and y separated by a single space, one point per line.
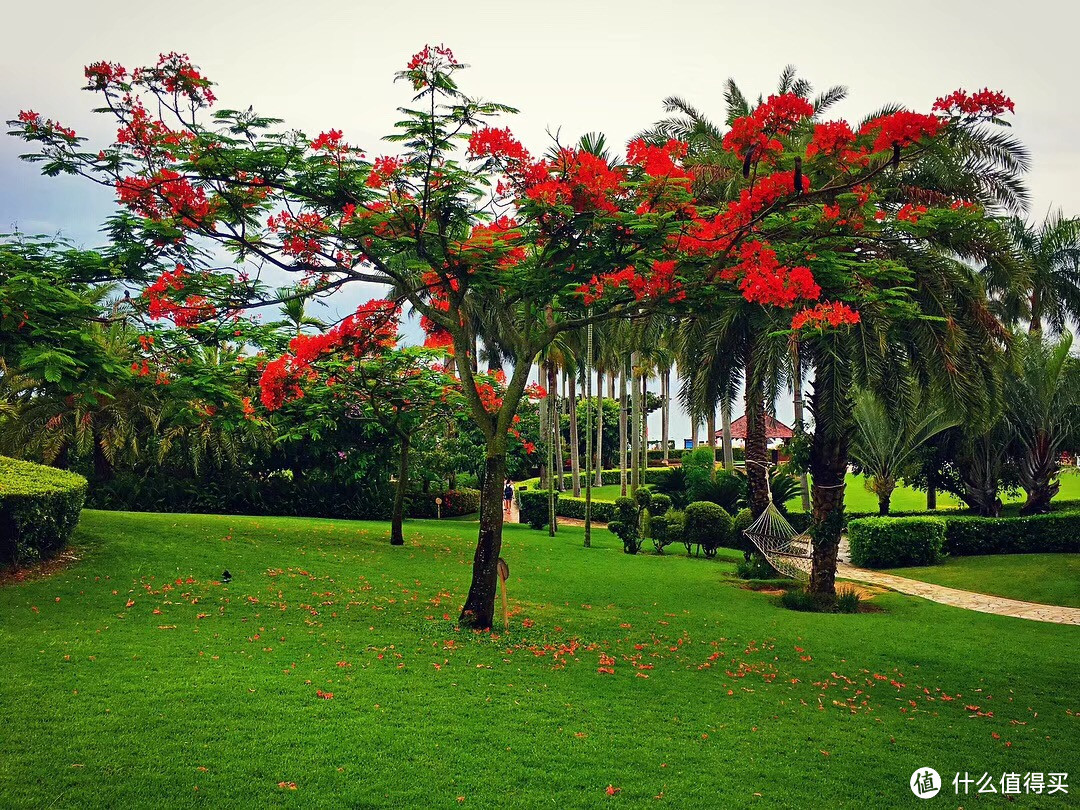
963 599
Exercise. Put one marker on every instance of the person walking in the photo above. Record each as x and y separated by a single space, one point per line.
508 496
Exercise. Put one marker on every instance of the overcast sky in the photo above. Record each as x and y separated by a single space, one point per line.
578 66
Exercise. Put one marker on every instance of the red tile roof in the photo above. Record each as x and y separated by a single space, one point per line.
774 429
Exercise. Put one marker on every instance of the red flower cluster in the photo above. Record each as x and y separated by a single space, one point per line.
911 213
300 234
778 115
659 283
374 324
983 102
497 143
659 161
175 74
833 313
191 310
763 280
500 239
329 141
830 138
102 74
167 194
436 336
432 55
383 171
145 135
901 128
35 123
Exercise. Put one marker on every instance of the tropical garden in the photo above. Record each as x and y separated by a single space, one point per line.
255 550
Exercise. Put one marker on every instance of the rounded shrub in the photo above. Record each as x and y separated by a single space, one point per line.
744 519
708 526
39 509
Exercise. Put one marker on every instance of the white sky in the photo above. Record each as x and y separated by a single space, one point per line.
576 65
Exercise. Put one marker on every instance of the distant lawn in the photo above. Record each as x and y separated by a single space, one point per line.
135 678
1053 579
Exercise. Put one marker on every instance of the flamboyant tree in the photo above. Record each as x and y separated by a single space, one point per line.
491 244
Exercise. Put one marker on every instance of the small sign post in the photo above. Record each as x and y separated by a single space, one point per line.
438 508
504 574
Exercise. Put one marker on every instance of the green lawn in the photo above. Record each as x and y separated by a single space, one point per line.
122 687
1053 579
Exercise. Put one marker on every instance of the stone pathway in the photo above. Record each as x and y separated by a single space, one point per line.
963 599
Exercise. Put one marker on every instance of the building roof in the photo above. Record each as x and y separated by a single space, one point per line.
774 429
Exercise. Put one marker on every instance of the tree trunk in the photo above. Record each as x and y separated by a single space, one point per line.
710 428
397 536
556 429
622 427
479 609
757 443
832 408
694 429
611 386
725 432
931 498
644 424
884 496
599 480
800 423
635 423
665 414
554 464
575 457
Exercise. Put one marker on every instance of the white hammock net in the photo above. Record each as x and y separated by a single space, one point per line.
787 551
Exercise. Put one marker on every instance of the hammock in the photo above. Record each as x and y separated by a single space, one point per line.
787 551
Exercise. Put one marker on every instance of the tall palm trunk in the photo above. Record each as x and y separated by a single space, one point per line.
757 443
397 535
635 423
554 467
599 481
710 427
800 424
695 427
665 413
556 430
725 430
575 459
832 407
622 426
644 424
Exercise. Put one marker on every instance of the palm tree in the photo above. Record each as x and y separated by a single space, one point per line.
295 317
1043 409
717 177
1049 289
885 441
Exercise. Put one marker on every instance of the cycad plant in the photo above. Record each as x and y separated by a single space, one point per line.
886 441
1043 410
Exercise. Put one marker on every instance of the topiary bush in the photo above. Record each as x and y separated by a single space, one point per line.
895 542
570 507
708 526
744 519
660 504
39 509
627 523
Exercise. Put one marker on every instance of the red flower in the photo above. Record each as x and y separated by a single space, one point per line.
984 102
835 313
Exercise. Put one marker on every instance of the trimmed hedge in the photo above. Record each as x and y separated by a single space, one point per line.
456 502
570 507
39 509
653 476
884 542
1052 533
